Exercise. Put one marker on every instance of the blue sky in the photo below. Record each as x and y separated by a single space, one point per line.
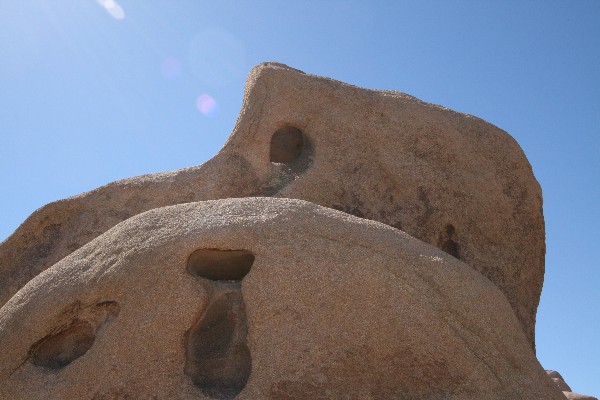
95 91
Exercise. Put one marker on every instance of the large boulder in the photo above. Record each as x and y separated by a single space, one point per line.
263 298
449 179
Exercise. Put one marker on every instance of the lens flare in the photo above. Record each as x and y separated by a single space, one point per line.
207 105
113 8
170 68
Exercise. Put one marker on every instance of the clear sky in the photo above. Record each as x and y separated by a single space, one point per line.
94 91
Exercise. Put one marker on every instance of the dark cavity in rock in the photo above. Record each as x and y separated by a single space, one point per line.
218 359
59 349
220 265
67 343
287 144
447 242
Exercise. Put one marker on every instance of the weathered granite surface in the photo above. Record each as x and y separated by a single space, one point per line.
446 178
562 385
263 298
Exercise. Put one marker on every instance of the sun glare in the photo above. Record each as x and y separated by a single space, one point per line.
113 8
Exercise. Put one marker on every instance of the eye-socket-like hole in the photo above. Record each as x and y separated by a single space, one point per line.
66 344
220 265
287 144
57 350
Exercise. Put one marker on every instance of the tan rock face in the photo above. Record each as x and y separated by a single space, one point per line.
577 396
263 298
558 380
562 385
449 179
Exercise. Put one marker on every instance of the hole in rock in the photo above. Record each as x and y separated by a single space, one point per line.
217 265
451 247
217 358
59 349
287 144
66 343
447 243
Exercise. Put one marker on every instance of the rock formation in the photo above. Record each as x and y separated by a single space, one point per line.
263 298
344 243
448 179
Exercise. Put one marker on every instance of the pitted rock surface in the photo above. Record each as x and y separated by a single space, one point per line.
449 179
312 303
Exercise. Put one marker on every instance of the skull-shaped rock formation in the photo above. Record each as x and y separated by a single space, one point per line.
263 298
448 179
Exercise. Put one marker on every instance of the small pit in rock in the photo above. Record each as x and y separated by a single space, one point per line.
287 144
217 265
447 243
59 349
